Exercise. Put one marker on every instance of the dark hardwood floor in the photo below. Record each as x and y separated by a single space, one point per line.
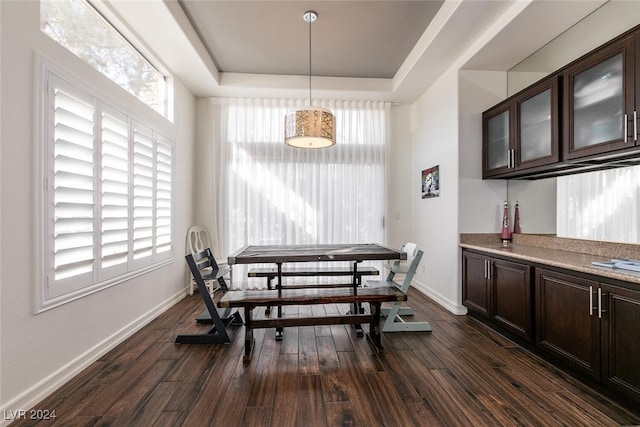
461 374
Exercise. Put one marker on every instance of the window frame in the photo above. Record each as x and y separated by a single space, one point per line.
50 293
119 29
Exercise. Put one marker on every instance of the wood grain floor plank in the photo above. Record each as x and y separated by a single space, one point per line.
308 362
327 355
147 413
310 403
365 411
340 414
169 419
256 417
386 396
285 405
421 413
399 375
341 337
461 374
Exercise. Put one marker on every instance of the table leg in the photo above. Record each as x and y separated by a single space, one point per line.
248 334
267 311
374 335
279 331
356 307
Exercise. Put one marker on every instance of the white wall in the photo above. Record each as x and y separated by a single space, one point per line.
401 179
41 352
481 201
435 220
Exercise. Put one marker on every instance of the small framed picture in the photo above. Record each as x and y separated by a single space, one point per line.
431 182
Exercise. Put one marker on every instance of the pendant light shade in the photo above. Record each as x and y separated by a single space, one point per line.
310 127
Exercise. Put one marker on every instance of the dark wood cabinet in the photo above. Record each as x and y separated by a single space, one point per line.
591 325
499 290
620 316
522 132
583 117
600 115
567 326
475 283
581 320
511 300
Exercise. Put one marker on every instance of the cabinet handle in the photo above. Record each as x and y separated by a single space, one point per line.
635 125
513 158
489 269
600 310
590 300
485 269
626 124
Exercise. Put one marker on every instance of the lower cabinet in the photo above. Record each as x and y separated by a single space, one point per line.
499 290
567 325
588 324
591 325
620 330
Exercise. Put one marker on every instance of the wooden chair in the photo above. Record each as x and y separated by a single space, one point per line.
394 321
204 267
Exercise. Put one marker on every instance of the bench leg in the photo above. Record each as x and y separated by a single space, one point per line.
267 311
248 335
374 335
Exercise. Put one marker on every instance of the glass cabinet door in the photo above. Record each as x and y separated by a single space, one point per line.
598 103
535 127
497 136
599 91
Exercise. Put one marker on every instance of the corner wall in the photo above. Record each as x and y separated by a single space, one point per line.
435 220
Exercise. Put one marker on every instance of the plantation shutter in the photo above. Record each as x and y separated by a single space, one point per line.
143 197
164 166
74 181
105 201
114 194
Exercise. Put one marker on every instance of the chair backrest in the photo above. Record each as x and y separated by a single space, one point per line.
408 267
402 267
203 267
198 239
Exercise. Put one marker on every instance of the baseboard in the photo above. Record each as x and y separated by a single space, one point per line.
31 397
454 308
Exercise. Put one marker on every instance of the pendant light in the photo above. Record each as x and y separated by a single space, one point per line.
310 127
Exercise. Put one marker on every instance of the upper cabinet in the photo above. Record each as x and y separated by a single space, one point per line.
583 117
522 132
600 110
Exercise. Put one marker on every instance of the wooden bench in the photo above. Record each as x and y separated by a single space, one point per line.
251 299
272 273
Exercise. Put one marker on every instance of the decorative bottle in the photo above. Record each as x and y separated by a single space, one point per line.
506 232
516 220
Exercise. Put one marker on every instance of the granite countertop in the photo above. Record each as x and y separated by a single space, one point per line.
570 254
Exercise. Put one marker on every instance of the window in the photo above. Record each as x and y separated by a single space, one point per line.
106 209
276 194
78 26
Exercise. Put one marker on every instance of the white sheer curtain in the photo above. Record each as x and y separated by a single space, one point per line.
276 194
603 205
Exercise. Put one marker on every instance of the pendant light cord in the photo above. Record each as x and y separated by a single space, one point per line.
310 20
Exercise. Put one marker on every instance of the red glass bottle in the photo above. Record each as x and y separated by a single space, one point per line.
516 219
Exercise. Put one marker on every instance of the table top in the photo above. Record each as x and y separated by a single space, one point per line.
254 254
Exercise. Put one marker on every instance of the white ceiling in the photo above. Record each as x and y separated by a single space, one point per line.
350 38
375 49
